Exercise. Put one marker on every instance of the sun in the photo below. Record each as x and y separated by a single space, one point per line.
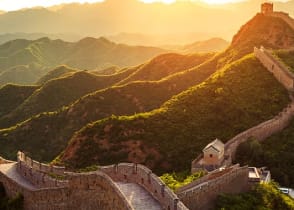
162 1
221 1
204 1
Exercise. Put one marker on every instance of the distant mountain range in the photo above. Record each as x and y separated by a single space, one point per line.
33 36
183 107
25 61
160 112
113 17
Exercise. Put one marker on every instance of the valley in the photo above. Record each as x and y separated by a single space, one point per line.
117 119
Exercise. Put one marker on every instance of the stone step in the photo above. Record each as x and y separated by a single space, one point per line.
138 197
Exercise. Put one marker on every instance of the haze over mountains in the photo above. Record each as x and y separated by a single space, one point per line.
131 16
177 93
130 95
25 61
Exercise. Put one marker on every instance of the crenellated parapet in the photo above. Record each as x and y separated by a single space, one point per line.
4 161
23 159
44 190
40 174
202 193
284 16
136 173
277 68
265 129
49 187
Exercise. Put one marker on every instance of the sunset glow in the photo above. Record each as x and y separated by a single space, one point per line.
221 1
10 5
163 1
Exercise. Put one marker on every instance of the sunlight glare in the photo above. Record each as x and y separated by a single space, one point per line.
10 5
221 1
162 1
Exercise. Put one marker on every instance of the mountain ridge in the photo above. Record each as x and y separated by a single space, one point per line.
43 54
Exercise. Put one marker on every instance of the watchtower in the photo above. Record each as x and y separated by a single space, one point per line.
267 8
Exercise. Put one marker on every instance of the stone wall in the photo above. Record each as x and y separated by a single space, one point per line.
135 173
267 128
279 70
53 198
279 122
87 191
261 131
4 161
39 174
95 190
285 17
204 194
37 166
39 178
202 179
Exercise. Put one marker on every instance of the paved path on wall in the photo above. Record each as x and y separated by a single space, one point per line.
138 197
10 170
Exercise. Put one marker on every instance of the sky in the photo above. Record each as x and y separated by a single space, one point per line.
10 5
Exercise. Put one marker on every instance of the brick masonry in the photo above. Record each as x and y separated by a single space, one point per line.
93 190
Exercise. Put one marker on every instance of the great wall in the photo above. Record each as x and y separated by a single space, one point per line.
127 186
265 129
268 128
50 187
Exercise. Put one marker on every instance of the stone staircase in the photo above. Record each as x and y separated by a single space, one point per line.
138 197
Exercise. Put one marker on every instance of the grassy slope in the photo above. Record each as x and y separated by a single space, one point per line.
13 95
261 30
263 197
168 138
22 75
34 135
287 57
165 65
276 153
43 51
60 92
88 53
91 53
210 45
57 72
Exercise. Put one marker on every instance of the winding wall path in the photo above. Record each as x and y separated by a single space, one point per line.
279 122
121 187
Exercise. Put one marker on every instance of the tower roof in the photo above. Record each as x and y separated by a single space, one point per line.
217 144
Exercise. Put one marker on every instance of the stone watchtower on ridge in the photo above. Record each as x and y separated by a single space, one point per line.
267 8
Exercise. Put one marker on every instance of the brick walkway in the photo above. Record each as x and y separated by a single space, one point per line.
10 171
138 197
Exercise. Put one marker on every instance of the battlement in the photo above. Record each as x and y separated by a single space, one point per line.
279 122
267 8
4 161
79 191
274 125
203 193
51 187
136 173
24 160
